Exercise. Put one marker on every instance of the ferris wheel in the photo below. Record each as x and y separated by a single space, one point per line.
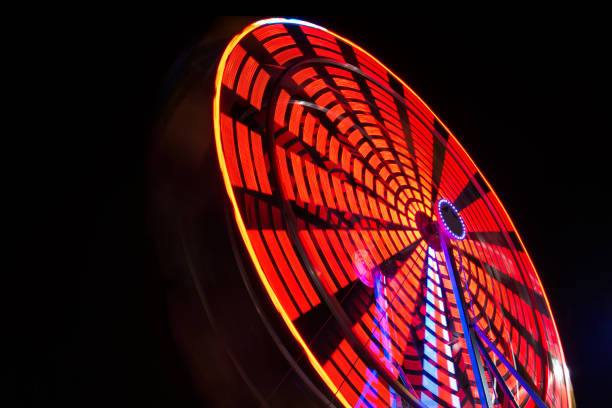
381 262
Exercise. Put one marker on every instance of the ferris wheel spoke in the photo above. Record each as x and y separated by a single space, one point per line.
438 160
470 192
503 292
390 266
386 117
340 257
321 331
496 238
337 148
527 385
324 217
379 327
518 302
381 337
498 263
308 185
371 329
523 365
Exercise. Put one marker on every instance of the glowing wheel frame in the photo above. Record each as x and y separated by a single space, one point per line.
336 171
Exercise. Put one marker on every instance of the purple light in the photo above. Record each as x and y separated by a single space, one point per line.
447 228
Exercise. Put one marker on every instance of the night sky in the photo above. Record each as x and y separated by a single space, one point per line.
525 97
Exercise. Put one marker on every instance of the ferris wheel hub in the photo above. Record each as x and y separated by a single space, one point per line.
451 220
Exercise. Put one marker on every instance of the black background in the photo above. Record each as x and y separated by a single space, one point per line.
524 95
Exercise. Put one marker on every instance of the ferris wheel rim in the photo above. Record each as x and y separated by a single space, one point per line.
241 224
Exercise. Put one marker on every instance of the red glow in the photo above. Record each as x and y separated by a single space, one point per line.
355 173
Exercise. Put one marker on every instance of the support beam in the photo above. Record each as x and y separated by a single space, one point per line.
470 340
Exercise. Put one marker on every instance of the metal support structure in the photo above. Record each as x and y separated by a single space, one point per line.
536 398
497 374
470 340
474 339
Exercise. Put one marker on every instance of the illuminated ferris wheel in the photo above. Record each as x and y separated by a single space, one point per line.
381 261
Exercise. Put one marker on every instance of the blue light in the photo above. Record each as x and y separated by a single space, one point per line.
430 324
278 20
431 370
430 385
429 352
430 338
432 264
430 310
427 401
430 285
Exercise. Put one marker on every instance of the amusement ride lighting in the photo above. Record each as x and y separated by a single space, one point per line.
387 255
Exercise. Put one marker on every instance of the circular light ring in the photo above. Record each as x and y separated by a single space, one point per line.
328 158
454 222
